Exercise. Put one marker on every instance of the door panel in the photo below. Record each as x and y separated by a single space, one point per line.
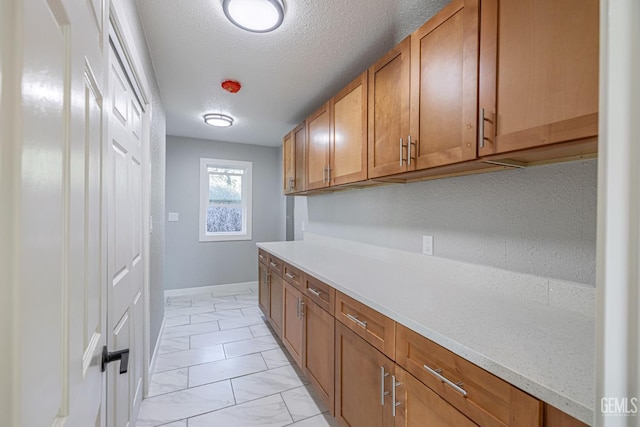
419 406
264 296
58 285
318 348
292 327
388 110
318 133
444 79
276 289
125 268
349 133
360 382
40 238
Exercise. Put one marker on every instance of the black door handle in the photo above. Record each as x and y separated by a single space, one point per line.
121 355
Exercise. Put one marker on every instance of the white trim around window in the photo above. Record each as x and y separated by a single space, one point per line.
236 200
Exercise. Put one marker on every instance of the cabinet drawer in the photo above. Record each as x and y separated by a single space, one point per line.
374 327
294 276
319 292
275 264
263 257
480 395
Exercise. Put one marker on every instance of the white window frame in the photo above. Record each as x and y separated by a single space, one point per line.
247 180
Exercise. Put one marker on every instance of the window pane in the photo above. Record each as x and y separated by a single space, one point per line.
225 188
224 219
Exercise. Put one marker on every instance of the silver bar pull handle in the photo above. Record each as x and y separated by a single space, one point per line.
301 307
358 321
409 151
383 393
481 128
272 264
328 174
314 292
438 374
289 275
395 403
268 277
401 154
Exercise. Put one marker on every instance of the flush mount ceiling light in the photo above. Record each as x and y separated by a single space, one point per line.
257 16
218 120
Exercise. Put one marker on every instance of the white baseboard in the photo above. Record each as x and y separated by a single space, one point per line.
156 350
226 289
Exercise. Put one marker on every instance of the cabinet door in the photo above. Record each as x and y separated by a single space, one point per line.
348 152
264 296
444 86
288 164
419 406
388 111
276 288
299 143
363 382
293 322
538 72
318 133
318 350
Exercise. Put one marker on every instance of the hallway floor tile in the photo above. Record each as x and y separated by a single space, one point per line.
220 364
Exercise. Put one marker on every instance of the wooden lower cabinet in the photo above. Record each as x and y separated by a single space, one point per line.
293 322
276 289
420 384
556 418
318 354
419 406
481 396
264 296
363 382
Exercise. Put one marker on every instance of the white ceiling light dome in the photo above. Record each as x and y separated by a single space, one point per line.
257 16
218 120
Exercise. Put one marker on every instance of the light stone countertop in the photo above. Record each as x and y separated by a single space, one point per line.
514 325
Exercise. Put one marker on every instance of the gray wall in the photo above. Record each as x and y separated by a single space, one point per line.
190 263
540 220
157 157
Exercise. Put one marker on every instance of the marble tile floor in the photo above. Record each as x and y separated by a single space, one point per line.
219 364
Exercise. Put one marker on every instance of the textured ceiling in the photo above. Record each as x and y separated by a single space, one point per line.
286 74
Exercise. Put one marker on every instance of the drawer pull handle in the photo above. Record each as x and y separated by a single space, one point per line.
273 264
289 275
438 374
358 321
261 256
383 393
315 292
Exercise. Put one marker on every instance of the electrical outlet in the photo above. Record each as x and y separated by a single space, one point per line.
427 245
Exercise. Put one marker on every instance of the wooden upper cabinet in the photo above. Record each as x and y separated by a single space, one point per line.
538 72
299 136
389 94
348 152
317 153
288 164
444 87
293 148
